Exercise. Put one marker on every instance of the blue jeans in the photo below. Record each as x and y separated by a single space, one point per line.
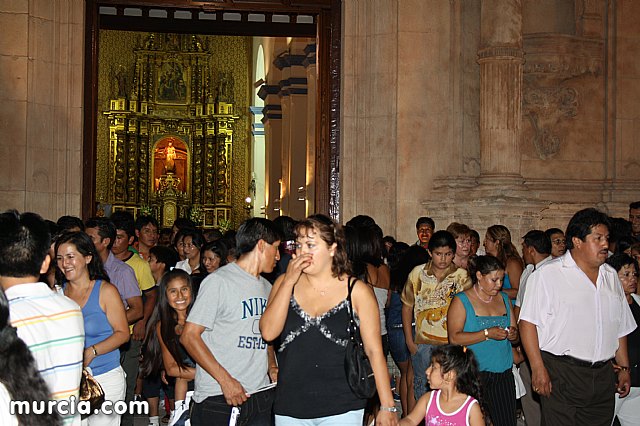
350 418
421 360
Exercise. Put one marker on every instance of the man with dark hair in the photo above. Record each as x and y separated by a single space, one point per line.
70 223
536 251
147 234
103 233
573 323
48 322
558 241
121 249
426 297
424 228
161 260
180 224
634 218
222 334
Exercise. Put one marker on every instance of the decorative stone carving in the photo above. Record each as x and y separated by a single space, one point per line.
562 56
544 107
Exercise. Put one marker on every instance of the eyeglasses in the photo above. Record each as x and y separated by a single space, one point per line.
629 275
559 241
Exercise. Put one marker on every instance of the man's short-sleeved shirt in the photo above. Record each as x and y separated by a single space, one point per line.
574 317
142 270
122 276
431 299
229 306
52 327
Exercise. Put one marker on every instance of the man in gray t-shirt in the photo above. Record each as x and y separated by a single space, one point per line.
223 337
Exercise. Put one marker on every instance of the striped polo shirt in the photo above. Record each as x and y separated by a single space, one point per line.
52 327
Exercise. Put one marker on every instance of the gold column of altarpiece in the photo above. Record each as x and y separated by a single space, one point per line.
171 133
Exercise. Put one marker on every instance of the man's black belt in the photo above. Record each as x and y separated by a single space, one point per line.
579 362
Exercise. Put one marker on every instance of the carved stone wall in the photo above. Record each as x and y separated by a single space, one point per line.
577 144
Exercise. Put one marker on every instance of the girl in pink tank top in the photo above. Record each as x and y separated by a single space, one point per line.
455 396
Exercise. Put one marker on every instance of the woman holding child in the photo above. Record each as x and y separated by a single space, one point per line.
307 309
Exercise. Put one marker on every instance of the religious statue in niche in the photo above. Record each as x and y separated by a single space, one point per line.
170 159
171 85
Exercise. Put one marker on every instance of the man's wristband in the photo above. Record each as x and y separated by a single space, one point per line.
389 409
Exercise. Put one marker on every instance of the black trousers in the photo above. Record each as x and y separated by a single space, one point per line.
214 411
499 394
580 395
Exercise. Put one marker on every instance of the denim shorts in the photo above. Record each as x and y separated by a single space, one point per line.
398 345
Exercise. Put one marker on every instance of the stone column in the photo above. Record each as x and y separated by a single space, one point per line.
501 59
310 67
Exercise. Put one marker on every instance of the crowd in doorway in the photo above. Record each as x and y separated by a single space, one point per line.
254 326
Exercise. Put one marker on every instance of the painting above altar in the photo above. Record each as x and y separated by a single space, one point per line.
170 158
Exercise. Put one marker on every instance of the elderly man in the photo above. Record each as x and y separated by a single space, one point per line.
573 323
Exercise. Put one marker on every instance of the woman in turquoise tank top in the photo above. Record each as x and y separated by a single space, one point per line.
105 321
482 319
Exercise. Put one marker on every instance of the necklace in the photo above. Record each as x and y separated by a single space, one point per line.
322 291
478 294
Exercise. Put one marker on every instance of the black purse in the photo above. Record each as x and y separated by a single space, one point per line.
356 363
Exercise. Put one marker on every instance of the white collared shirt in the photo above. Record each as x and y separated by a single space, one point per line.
572 316
525 275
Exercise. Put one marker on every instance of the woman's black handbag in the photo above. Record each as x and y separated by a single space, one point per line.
356 363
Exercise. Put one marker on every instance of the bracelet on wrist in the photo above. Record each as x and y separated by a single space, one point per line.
486 334
623 368
95 352
389 409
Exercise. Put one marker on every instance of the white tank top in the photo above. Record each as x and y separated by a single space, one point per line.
381 297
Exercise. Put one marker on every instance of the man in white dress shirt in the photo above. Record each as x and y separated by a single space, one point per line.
573 323
536 251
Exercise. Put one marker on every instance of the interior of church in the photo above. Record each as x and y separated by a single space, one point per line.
515 111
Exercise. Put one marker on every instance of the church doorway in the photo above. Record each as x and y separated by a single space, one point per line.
165 131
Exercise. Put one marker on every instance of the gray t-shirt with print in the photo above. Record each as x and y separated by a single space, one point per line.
229 306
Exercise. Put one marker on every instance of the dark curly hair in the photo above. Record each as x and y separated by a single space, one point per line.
19 373
330 232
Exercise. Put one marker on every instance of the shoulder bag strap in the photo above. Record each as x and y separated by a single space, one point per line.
352 322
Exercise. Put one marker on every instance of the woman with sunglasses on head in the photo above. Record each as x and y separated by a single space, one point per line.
308 310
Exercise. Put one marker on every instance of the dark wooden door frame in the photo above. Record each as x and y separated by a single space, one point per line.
328 34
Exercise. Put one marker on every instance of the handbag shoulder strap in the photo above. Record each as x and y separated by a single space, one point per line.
351 282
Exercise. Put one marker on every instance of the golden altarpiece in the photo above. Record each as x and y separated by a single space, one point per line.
171 129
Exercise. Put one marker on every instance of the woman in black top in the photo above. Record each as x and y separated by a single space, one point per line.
307 309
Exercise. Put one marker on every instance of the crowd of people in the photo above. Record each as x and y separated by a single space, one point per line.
251 327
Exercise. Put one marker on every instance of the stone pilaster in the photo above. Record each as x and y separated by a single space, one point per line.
500 58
